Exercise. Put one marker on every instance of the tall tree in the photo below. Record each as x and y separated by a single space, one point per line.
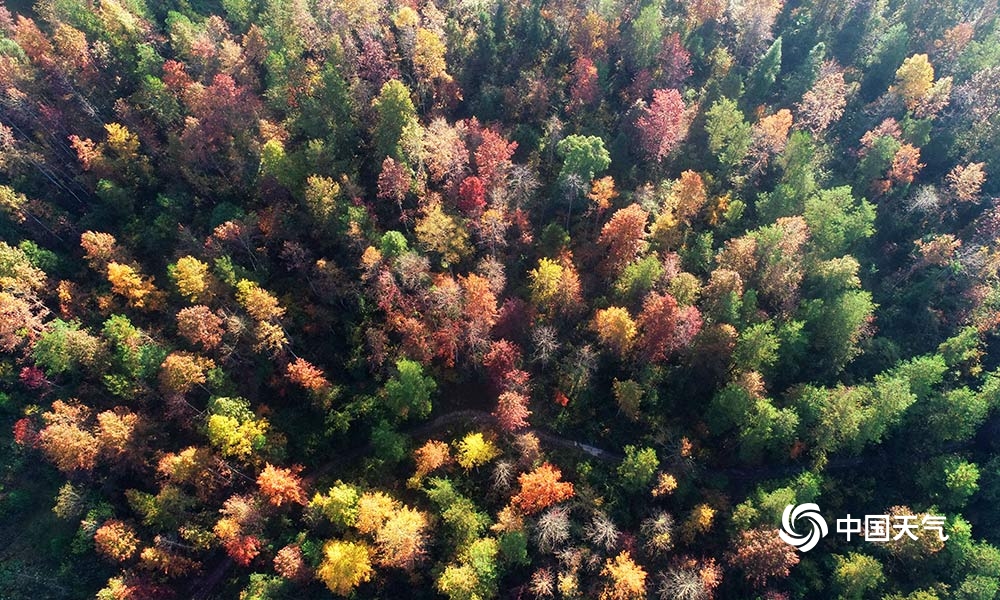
408 392
664 328
626 579
615 328
728 133
661 124
395 114
763 556
824 103
512 411
623 238
439 232
765 73
281 486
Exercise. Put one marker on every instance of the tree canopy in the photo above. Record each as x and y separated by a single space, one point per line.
497 299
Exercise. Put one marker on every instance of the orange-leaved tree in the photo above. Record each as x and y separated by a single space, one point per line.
282 486
541 488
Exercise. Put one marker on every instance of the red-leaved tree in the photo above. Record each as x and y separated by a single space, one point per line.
512 411
242 548
664 328
471 196
502 358
583 88
623 238
493 157
661 124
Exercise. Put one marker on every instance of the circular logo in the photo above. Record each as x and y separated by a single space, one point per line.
806 512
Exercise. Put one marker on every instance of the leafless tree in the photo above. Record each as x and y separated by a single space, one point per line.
553 528
545 339
543 584
682 584
602 531
503 475
658 532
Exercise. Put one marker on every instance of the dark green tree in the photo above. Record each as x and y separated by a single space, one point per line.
764 74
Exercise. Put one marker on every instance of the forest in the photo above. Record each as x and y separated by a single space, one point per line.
477 299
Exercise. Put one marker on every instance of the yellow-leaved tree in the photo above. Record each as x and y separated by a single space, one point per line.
439 232
626 579
137 290
345 566
475 450
914 80
192 278
615 328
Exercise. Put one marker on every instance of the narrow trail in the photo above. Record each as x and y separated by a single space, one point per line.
468 417
552 439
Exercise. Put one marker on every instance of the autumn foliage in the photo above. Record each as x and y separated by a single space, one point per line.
199 325
471 195
431 456
116 540
664 328
541 488
139 291
242 548
291 564
303 373
763 556
182 371
623 237
626 579
66 439
400 541
512 411
661 124
480 300
281 486
345 565
615 328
